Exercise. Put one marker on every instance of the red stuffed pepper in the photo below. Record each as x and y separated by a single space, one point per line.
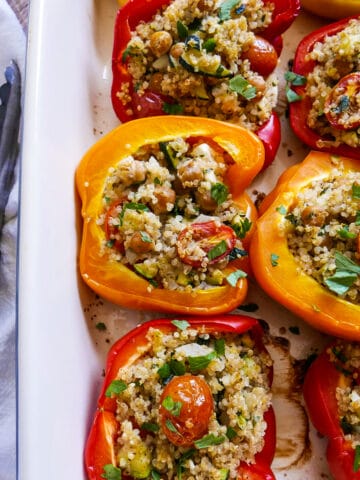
332 397
324 89
176 57
185 398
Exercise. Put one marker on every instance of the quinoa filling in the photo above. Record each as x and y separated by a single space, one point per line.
198 55
324 232
336 58
347 357
226 422
169 215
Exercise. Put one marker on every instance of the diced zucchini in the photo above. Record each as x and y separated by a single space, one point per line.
199 61
169 153
139 463
146 270
183 279
200 92
193 41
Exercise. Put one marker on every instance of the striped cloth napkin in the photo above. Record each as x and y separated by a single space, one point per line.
12 59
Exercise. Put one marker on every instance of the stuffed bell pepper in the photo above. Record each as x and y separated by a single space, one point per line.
334 9
324 89
332 397
305 251
166 219
185 399
201 58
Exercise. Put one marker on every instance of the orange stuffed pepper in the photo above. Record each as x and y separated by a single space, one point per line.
166 219
306 248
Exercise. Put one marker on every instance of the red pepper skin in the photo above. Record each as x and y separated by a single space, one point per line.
319 391
134 11
100 445
300 109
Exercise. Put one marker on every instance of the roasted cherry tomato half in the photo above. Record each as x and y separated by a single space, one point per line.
150 104
342 105
262 56
206 242
186 406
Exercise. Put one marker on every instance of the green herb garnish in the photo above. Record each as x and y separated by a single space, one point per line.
209 441
138 207
274 259
177 368
171 406
100 326
345 234
164 371
294 78
219 346
150 427
291 95
171 426
237 253
233 277
181 324
226 9
111 472
231 433
218 250
155 475
115 387
242 228
172 108
345 275
219 192
241 86
209 44
355 191
357 458
196 364
281 209
182 30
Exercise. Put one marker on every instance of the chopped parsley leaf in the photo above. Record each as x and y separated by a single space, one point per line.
226 8
345 275
233 277
172 406
291 95
209 440
357 459
115 387
294 78
181 324
200 362
150 427
274 259
217 251
219 192
241 86
355 190
281 209
182 30
111 472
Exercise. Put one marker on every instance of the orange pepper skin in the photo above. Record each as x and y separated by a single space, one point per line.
101 442
297 291
116 282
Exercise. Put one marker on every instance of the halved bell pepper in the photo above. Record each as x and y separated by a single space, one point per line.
101 443
300 107
115 281
332 8
275 267
322 379
135 11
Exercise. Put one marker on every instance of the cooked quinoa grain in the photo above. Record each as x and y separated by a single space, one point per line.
335 58
169 216
346 356
229 372
325 231
203 58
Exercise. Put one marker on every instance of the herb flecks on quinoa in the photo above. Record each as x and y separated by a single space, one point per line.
161 431
169 216
324 235
346 357
335 111
207 59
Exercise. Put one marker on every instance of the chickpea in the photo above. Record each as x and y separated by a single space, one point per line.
160 43
141 242
262 56
177 50
310 216
190 173
131 171
164 196
259 83
205 201
155 82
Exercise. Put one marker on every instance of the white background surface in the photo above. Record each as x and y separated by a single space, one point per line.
61 354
